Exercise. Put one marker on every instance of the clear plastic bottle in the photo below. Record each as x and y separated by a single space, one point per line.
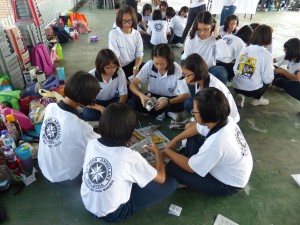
8 141
11 159
13 127
67 29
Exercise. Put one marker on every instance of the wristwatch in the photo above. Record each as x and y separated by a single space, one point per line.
136 68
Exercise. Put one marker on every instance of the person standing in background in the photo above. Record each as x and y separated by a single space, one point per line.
228 9
132 3
196 6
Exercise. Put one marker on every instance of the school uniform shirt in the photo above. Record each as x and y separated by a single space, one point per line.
146 18
292 66
235 45
196 3
115 87
225 155
127 47
63 140
215 82
253 68
209 49
158 30
223 33
169 84
178 24
108 175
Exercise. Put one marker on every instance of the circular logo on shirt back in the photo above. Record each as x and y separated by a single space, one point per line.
51 131
97 174
158 27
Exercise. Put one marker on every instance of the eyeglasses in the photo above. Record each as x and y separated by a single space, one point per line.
111 67
126 21
193 112
203 30
187 75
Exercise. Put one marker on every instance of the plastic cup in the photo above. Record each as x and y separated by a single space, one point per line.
24 155
61 73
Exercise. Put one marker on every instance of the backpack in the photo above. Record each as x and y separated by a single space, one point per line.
62 35
40 57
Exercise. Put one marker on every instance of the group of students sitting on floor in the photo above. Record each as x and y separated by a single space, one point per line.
116 181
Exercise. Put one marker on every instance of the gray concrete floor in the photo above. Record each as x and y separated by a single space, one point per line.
271 197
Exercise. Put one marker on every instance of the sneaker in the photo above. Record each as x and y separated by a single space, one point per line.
240 100
261 101
178 45
161 117
174 116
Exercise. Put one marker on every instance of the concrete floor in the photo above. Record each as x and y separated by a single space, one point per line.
272 132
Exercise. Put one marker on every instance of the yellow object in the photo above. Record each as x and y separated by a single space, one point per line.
10 118
70 24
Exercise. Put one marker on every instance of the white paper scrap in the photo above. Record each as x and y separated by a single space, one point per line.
175 210
222 220
296 178
28 180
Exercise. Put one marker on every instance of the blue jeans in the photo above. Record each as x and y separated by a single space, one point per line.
94 115
207 184
226 11
292 87
142 198
219 72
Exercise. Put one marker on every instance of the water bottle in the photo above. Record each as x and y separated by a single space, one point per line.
59 52
11 159
8 141
67 29
13 127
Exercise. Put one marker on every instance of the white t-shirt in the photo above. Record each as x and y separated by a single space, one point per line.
178 24
158 30
196 3
223 33
230 2
209 49
108 175
146 18
253 68
225 155
115 87
168 84
127 47
292 67
63 140
235 44
215 82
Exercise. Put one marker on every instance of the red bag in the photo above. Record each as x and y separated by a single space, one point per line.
24 104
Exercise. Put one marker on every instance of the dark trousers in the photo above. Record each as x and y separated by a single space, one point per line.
227 11
254 94
207 184
141 198
292 87
193 12
228 67
129 68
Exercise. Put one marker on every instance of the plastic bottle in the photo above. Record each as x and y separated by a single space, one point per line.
8 140
11 159
70 24
13 127
75 34
59 52
67 29
2 124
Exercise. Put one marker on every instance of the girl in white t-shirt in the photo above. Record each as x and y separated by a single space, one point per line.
177 25
112 81
291 59
254 68
158 29
218 161
198 78
230 25
64 135
146 15
165 83
117 181
127 42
